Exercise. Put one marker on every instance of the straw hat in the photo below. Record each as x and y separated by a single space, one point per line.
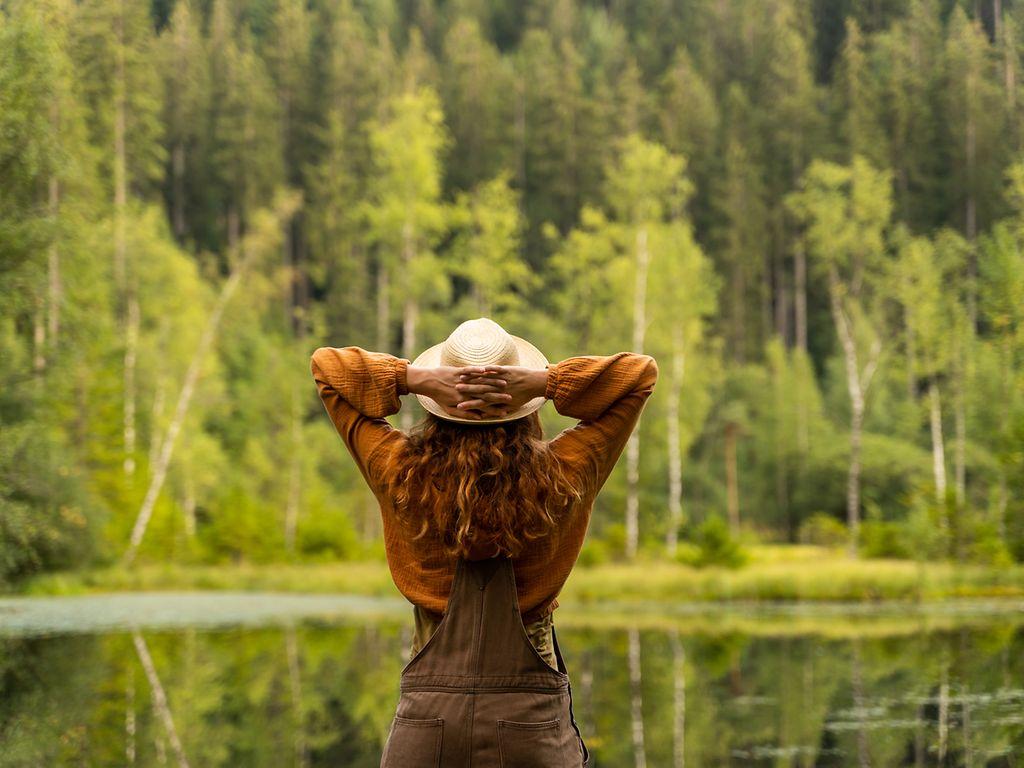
481 342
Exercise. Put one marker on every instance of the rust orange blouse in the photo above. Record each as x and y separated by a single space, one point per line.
605 393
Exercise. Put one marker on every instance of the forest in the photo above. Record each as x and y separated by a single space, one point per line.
810 212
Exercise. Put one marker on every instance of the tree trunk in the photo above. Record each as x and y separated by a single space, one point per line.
781 479
678 700
965 707
857 683
126 292
178 187
189 506
129 719
971 213
234 228
120 161
53 271
857 384
732 485
291 510
675 459
155 434
159 471
938 447
295 685
943 715
960 418
131 346
39 334
636 699
159 698
643 259
739 301
410 314
800 295
1009 43
520 133
383 308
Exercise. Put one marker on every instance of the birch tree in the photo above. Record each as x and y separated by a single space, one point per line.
846 210
645 184
113 47
404 215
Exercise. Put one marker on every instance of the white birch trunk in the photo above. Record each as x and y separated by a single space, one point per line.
863 754
295 686
643 258
938 447
163 710
129 720
675 459
857 382
678 700
636 699
159 470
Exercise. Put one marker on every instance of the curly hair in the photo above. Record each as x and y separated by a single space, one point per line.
482 485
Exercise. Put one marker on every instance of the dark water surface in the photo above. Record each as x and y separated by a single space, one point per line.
278 680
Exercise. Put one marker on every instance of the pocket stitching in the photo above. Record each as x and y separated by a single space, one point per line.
529 726
433 722
419 723
512 725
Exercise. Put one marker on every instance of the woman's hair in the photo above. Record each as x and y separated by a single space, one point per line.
486 485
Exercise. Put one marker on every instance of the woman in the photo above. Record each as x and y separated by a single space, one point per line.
483 521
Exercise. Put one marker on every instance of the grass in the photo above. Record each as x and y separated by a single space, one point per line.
774 573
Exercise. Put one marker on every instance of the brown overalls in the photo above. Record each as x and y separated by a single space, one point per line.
478 694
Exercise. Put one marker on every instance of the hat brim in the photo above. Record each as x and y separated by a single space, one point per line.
529 357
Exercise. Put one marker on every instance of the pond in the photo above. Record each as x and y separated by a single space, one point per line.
220 679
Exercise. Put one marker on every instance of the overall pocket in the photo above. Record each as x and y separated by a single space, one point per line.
530 745
413 742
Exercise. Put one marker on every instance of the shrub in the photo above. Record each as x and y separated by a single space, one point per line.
823 530
716 546
594 552
614 536
884 538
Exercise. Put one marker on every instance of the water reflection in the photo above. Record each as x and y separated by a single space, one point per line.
696 690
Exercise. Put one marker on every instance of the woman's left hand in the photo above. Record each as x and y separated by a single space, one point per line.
468 391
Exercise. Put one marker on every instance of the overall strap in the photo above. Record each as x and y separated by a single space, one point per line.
481 640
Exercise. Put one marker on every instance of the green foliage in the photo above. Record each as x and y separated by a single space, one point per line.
714 546
823 530
780 206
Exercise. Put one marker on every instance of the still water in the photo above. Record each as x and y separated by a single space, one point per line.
277 680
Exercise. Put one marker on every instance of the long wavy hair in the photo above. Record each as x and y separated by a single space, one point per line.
482 485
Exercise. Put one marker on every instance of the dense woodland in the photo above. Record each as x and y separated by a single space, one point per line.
810 212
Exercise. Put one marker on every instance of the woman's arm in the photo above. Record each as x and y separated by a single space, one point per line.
607 394
359 388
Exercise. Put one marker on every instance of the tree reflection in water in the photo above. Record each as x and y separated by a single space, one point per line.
697 692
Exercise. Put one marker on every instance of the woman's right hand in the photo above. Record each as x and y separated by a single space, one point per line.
467 391
521 384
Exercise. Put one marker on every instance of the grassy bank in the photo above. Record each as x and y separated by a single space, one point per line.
773 574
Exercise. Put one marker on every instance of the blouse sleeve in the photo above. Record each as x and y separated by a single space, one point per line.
607 395
359 388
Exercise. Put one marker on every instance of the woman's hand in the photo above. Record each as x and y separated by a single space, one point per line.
468 391
521 384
